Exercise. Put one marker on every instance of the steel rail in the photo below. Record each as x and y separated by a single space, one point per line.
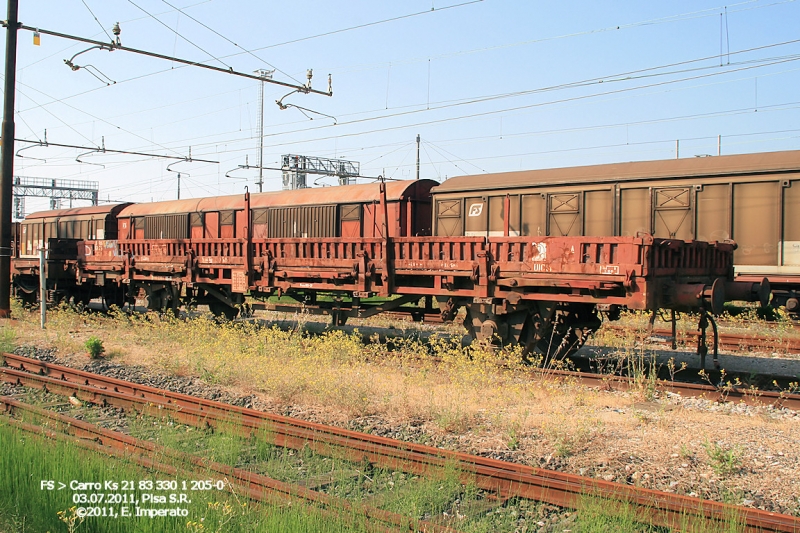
727 340
722 393
719 393
257 486
507 479
737 340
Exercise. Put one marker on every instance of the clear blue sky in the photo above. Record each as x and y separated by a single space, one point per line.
490 85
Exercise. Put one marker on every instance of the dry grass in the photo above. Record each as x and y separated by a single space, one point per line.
486 397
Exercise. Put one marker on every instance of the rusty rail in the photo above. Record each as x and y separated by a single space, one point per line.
727 340
506 479
256 486
731 393
739 340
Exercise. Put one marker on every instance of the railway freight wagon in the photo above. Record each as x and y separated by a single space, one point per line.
752 199
333 250
59 232
201 250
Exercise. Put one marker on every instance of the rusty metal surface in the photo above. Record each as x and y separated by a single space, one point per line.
307 221
259 487
726 165
345 194
505 478
79 211
692 390
626 271
192 205
737 341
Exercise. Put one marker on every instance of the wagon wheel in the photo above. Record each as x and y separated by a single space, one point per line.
338 318
569 331
174 299
524 326
537 325
246 310
114 296
28 298
223 310
164 299
81 300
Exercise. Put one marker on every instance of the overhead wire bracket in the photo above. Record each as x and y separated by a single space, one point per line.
305 89
91 69
246 166
37 145
101 149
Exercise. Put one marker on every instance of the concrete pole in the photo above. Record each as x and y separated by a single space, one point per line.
7 156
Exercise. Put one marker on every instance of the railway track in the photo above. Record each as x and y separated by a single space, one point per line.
255 486
505 480
727 340
722 392
732 341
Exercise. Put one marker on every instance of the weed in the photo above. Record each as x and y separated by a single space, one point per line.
28 458
71 518
7 337
724 460
792 388
567 441
644 372
673 369
513 437
95 347
686 452
453 418
598 515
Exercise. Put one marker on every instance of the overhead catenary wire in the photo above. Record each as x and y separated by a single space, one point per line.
215 32
58 52
365 25
647 22
170 144
614 28
443 120
439 149
95 18
179 35
500 111
462 102
94 117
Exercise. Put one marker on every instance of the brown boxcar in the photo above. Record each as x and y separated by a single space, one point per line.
344 211
753 199
79 223
60 232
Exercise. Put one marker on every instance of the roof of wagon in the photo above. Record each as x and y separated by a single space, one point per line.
343 194
79 211
769 162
